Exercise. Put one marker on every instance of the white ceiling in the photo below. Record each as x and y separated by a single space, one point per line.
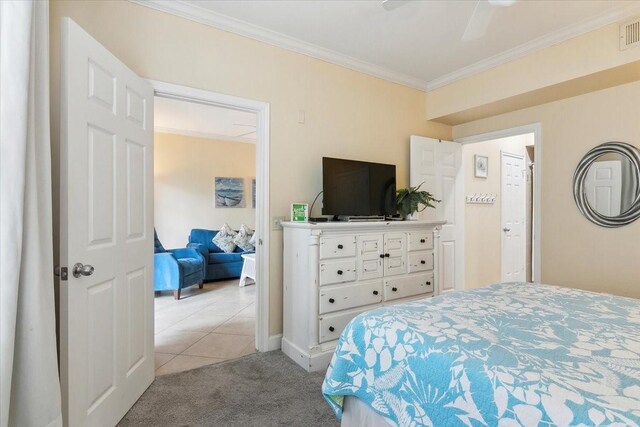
205 121
417 44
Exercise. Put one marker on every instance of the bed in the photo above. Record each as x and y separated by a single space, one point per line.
511 354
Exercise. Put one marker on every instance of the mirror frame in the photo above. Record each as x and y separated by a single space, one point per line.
579 195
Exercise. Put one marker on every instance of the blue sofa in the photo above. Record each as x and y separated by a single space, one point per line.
176 269
218 264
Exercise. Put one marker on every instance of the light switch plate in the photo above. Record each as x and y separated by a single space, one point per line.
275 222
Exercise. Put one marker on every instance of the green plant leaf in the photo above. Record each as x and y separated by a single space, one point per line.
411 200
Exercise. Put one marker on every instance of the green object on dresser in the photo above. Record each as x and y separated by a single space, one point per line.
410 199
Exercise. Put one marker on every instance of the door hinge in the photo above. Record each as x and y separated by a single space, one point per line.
61 272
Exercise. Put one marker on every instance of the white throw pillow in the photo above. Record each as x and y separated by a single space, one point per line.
224 238
243 239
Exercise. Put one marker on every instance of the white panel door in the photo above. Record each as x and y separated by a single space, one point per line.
514 238
106 312
437 164
603 187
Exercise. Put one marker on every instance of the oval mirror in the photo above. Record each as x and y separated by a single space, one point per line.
607 184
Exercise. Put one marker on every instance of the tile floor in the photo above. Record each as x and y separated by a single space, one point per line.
205 326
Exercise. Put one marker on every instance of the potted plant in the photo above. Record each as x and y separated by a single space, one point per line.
410 199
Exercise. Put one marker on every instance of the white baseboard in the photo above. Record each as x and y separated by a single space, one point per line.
275 342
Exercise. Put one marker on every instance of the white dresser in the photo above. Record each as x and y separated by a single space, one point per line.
334 271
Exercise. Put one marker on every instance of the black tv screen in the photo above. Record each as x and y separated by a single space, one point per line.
358 188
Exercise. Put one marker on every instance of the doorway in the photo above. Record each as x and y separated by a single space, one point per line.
260 134
502 206
204 181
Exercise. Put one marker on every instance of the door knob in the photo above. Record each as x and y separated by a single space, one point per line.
375 292
82 270
506 230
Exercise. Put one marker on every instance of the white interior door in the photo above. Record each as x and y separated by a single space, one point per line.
514 237
438 165
603 187
106 315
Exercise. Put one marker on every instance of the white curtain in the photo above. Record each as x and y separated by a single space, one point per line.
29 383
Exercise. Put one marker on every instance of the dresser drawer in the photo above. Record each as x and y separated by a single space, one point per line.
338 271
420 240
349 296
332 325
420 261
407 286
337 246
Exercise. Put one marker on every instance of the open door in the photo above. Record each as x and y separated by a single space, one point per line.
106 233
513 221
437 164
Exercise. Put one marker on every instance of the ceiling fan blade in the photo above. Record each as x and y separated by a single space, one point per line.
393 4
479 21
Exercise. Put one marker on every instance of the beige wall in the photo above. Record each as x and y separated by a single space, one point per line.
348 114
184 172
483 245
521 83
576 252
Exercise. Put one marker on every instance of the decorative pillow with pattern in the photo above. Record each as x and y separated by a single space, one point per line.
224 238
253 239
243 239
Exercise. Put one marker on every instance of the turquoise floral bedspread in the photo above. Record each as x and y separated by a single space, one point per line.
506 355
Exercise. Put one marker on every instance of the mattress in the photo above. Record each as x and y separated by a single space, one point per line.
508 354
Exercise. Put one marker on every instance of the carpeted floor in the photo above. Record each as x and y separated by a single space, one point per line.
263 389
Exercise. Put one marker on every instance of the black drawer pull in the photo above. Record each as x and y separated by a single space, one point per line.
381 255
375 292
340 246
423 262
340 272
394 289
428 283
331 328
423 241
387 255
331 300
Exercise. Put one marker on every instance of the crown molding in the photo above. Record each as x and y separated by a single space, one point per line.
206 135
201 15
535 45
204 16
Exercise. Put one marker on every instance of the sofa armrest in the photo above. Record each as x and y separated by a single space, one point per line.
202 249
185 253
166 271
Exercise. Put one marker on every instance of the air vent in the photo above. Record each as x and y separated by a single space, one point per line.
630 34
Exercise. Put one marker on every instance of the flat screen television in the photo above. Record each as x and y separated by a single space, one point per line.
353 188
